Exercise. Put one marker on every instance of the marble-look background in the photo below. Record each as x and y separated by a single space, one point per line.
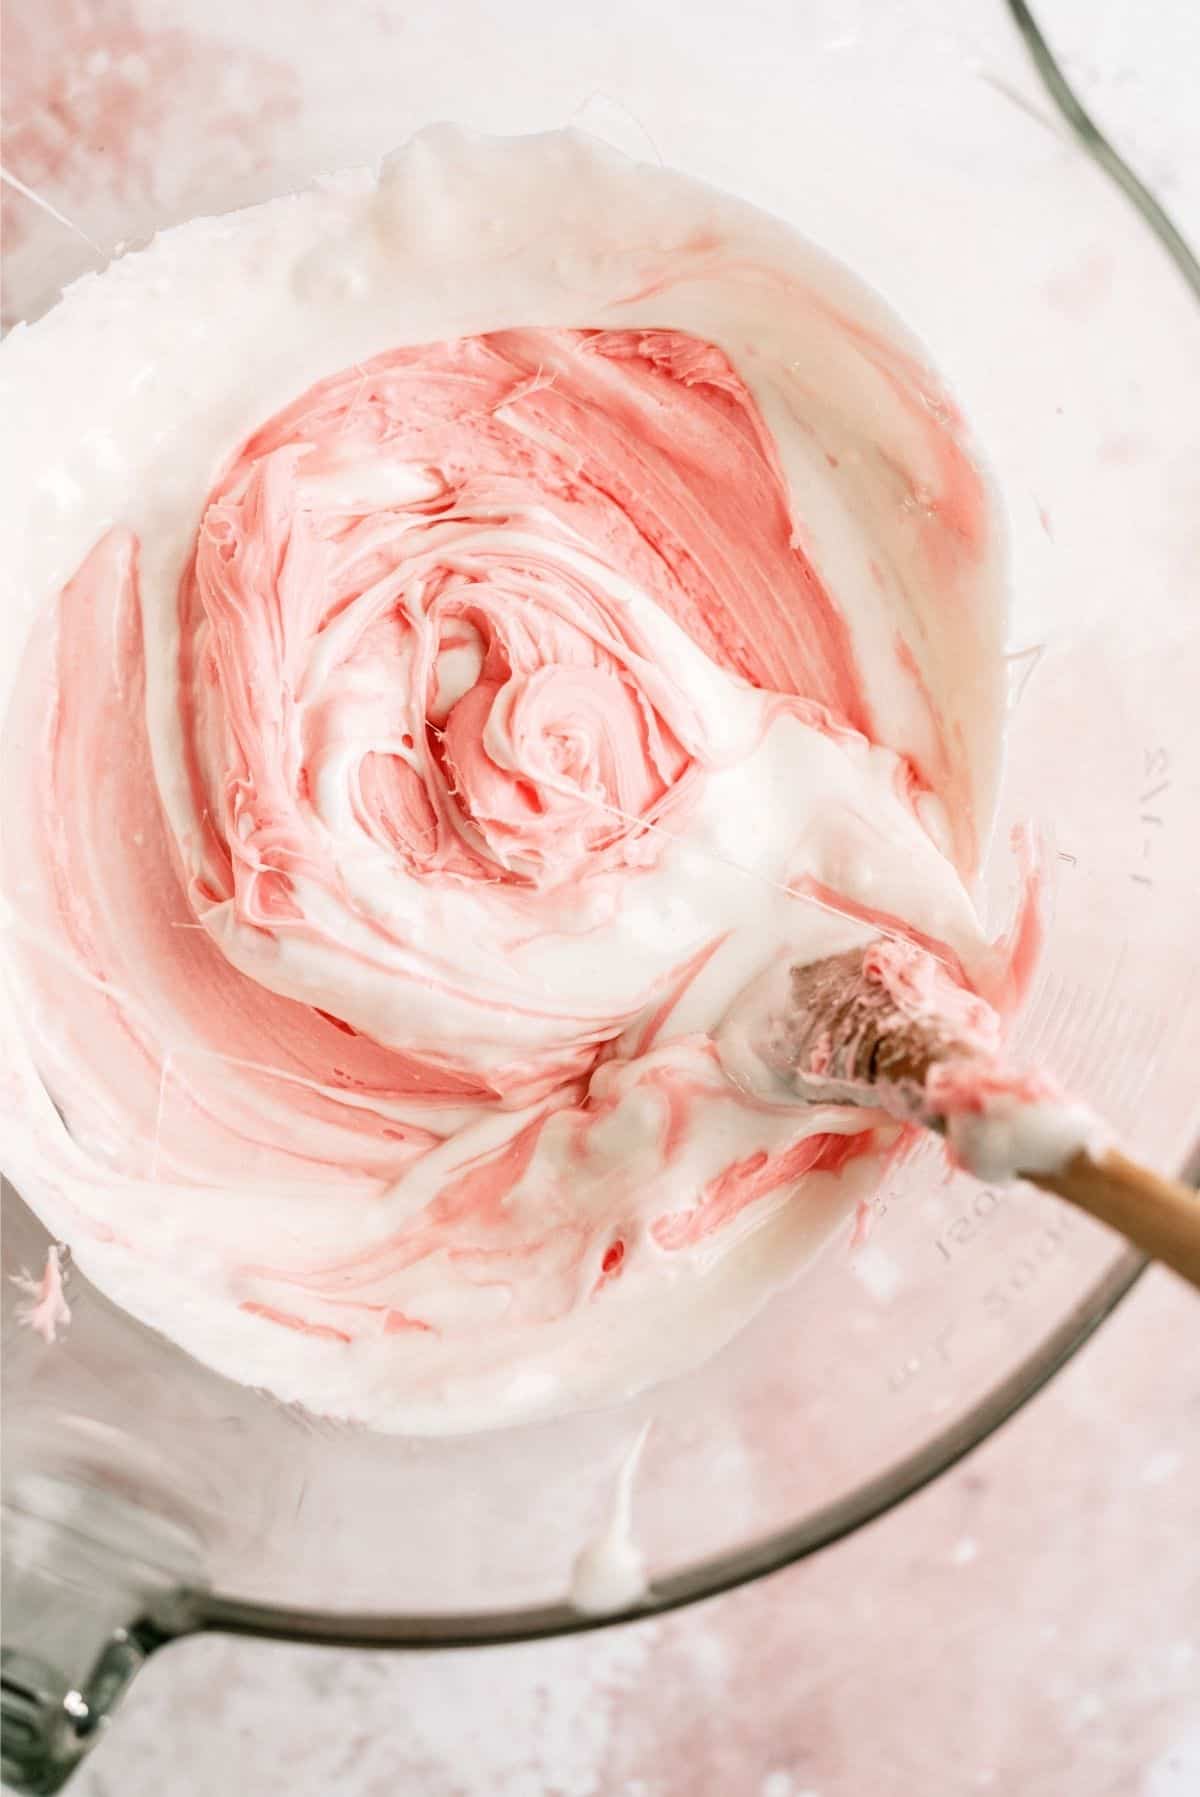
1029 1625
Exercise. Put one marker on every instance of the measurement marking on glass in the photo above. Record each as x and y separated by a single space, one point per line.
964 1228
1022 665
1156 766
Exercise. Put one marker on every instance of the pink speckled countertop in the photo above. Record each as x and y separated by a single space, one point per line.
1029 1625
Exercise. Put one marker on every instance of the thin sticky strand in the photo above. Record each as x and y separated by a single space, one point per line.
44 205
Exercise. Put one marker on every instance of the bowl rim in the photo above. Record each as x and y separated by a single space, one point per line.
719 1572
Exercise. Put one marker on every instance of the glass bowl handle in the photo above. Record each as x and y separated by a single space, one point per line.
93 1584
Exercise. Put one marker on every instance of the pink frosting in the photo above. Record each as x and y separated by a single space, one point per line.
971 1086
411 708
923 990
480 627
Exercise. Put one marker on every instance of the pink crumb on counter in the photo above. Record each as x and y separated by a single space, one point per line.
45 1309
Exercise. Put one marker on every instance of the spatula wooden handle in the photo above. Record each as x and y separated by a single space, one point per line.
1159 1216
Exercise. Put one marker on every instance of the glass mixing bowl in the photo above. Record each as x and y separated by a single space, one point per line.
150 1498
